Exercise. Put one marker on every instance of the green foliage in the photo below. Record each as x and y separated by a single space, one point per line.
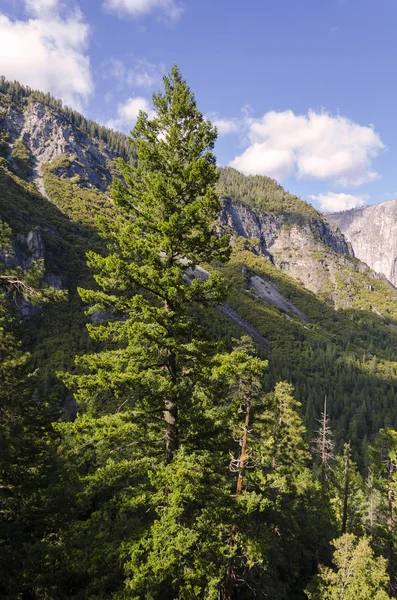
22 158
4 140
275 513
264 194
357 500
106 460
333 354
56 334
13 455
136 497
64 240
359 575
5 235
156 359
164 228
26 458
82 205
289 452
184 553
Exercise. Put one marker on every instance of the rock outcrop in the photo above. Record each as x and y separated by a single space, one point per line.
312 251
26 249
372 232
47 134
266 227
269 293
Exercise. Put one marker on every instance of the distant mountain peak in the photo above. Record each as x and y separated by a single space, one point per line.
372 232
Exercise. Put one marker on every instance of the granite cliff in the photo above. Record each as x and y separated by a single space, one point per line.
312 251
372 232
46 134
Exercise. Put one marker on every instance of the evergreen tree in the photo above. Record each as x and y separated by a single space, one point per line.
152 380
13 423
242 373
289 451
27 466
384 469
31 500
324 445
275 500
165 228
347 494
293 510
359 575
185 551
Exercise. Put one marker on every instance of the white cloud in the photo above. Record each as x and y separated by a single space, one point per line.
171 9
131 109
316 146
128 112
40 7
226 126
47 51
262 159
143 74
333 202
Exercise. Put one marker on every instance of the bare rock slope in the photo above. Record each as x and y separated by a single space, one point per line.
372 232
47 134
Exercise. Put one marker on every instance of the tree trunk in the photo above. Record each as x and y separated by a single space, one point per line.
346 490
171 416
324 444
229 580
371 515
243 454
390 525
171 430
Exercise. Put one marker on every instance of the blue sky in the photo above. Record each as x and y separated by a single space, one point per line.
305 92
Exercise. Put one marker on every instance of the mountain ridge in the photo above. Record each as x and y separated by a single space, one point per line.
326 316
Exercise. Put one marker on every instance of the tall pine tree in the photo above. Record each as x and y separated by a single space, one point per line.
167 209
144 471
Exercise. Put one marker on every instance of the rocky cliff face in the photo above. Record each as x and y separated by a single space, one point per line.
266 227
314 252
26 249
47 134
372 231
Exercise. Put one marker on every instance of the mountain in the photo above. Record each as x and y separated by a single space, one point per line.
85 501
325 320
372 232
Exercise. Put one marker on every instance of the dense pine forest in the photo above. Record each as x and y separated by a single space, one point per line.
151 447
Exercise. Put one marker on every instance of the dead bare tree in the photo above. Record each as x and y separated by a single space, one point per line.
323 444
346 490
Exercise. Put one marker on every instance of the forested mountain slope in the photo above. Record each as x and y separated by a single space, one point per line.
330 321
151 449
